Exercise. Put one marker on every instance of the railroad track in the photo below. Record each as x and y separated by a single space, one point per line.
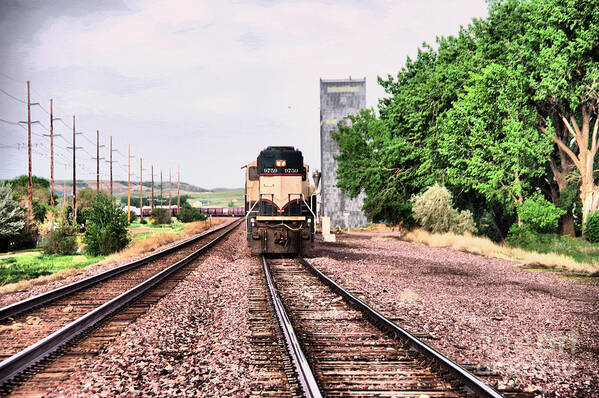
37 328
342 347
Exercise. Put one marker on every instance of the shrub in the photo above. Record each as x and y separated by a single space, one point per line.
187 213
12 218
591 227
106 230
63 240
143 221
39 211
132 216
521 236
463 222
160 216
541 215
433 209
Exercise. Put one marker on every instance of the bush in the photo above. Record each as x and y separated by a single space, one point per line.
541 215
63 240
160 216
591 227
39 211
187 213
132 216
433 209
463 222
521 236
12 218
143 221
106 230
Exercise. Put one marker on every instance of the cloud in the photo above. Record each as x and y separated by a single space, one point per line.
244 71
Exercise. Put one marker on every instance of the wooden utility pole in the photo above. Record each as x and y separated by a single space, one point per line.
98 160
111 168
74 178
64 192
129 184
51 155
161 202
141 198
152 203
178 188
169 190
30 184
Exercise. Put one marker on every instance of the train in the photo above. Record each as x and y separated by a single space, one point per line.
280 203
211 211
223 211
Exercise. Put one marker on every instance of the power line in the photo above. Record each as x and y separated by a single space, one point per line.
13 97
9 122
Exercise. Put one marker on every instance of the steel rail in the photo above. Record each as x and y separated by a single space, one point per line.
47 297
14 365
471 382
303 370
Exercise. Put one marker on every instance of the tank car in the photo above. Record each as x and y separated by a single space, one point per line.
280 204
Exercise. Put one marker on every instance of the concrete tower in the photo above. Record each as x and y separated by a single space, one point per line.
338 98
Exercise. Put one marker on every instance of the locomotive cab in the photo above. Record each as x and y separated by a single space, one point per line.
279 202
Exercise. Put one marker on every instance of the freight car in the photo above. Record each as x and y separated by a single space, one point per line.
225 211
280 204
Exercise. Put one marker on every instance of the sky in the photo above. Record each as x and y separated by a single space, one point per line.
200 85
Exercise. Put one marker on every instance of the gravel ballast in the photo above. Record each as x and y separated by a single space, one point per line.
194 342
530 330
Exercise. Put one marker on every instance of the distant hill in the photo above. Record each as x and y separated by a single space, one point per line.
120 187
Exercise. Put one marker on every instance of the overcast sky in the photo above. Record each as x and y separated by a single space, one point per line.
203 85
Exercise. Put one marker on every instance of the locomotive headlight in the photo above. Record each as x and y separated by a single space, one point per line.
281 163
253 221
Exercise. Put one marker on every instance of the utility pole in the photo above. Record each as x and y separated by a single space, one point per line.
161 202
141 197
152 202
74 178
178 188
30 184
64 192
52 135
169 191
111 168
129 184
51 156
98 160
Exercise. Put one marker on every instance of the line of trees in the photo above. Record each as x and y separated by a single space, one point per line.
504 113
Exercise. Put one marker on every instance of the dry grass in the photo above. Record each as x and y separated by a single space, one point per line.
486 247
138 248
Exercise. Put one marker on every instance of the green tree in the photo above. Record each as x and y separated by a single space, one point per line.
106 229
160 215
12 218
496 113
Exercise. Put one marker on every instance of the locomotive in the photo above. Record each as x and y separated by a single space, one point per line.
280 204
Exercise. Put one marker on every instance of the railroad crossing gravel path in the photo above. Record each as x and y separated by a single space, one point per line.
532 331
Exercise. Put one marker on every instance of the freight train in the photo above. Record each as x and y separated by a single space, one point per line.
280 204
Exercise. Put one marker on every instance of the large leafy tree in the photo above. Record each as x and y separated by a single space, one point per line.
498 113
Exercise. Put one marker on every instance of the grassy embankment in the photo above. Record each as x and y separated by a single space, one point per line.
572 256
21 270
